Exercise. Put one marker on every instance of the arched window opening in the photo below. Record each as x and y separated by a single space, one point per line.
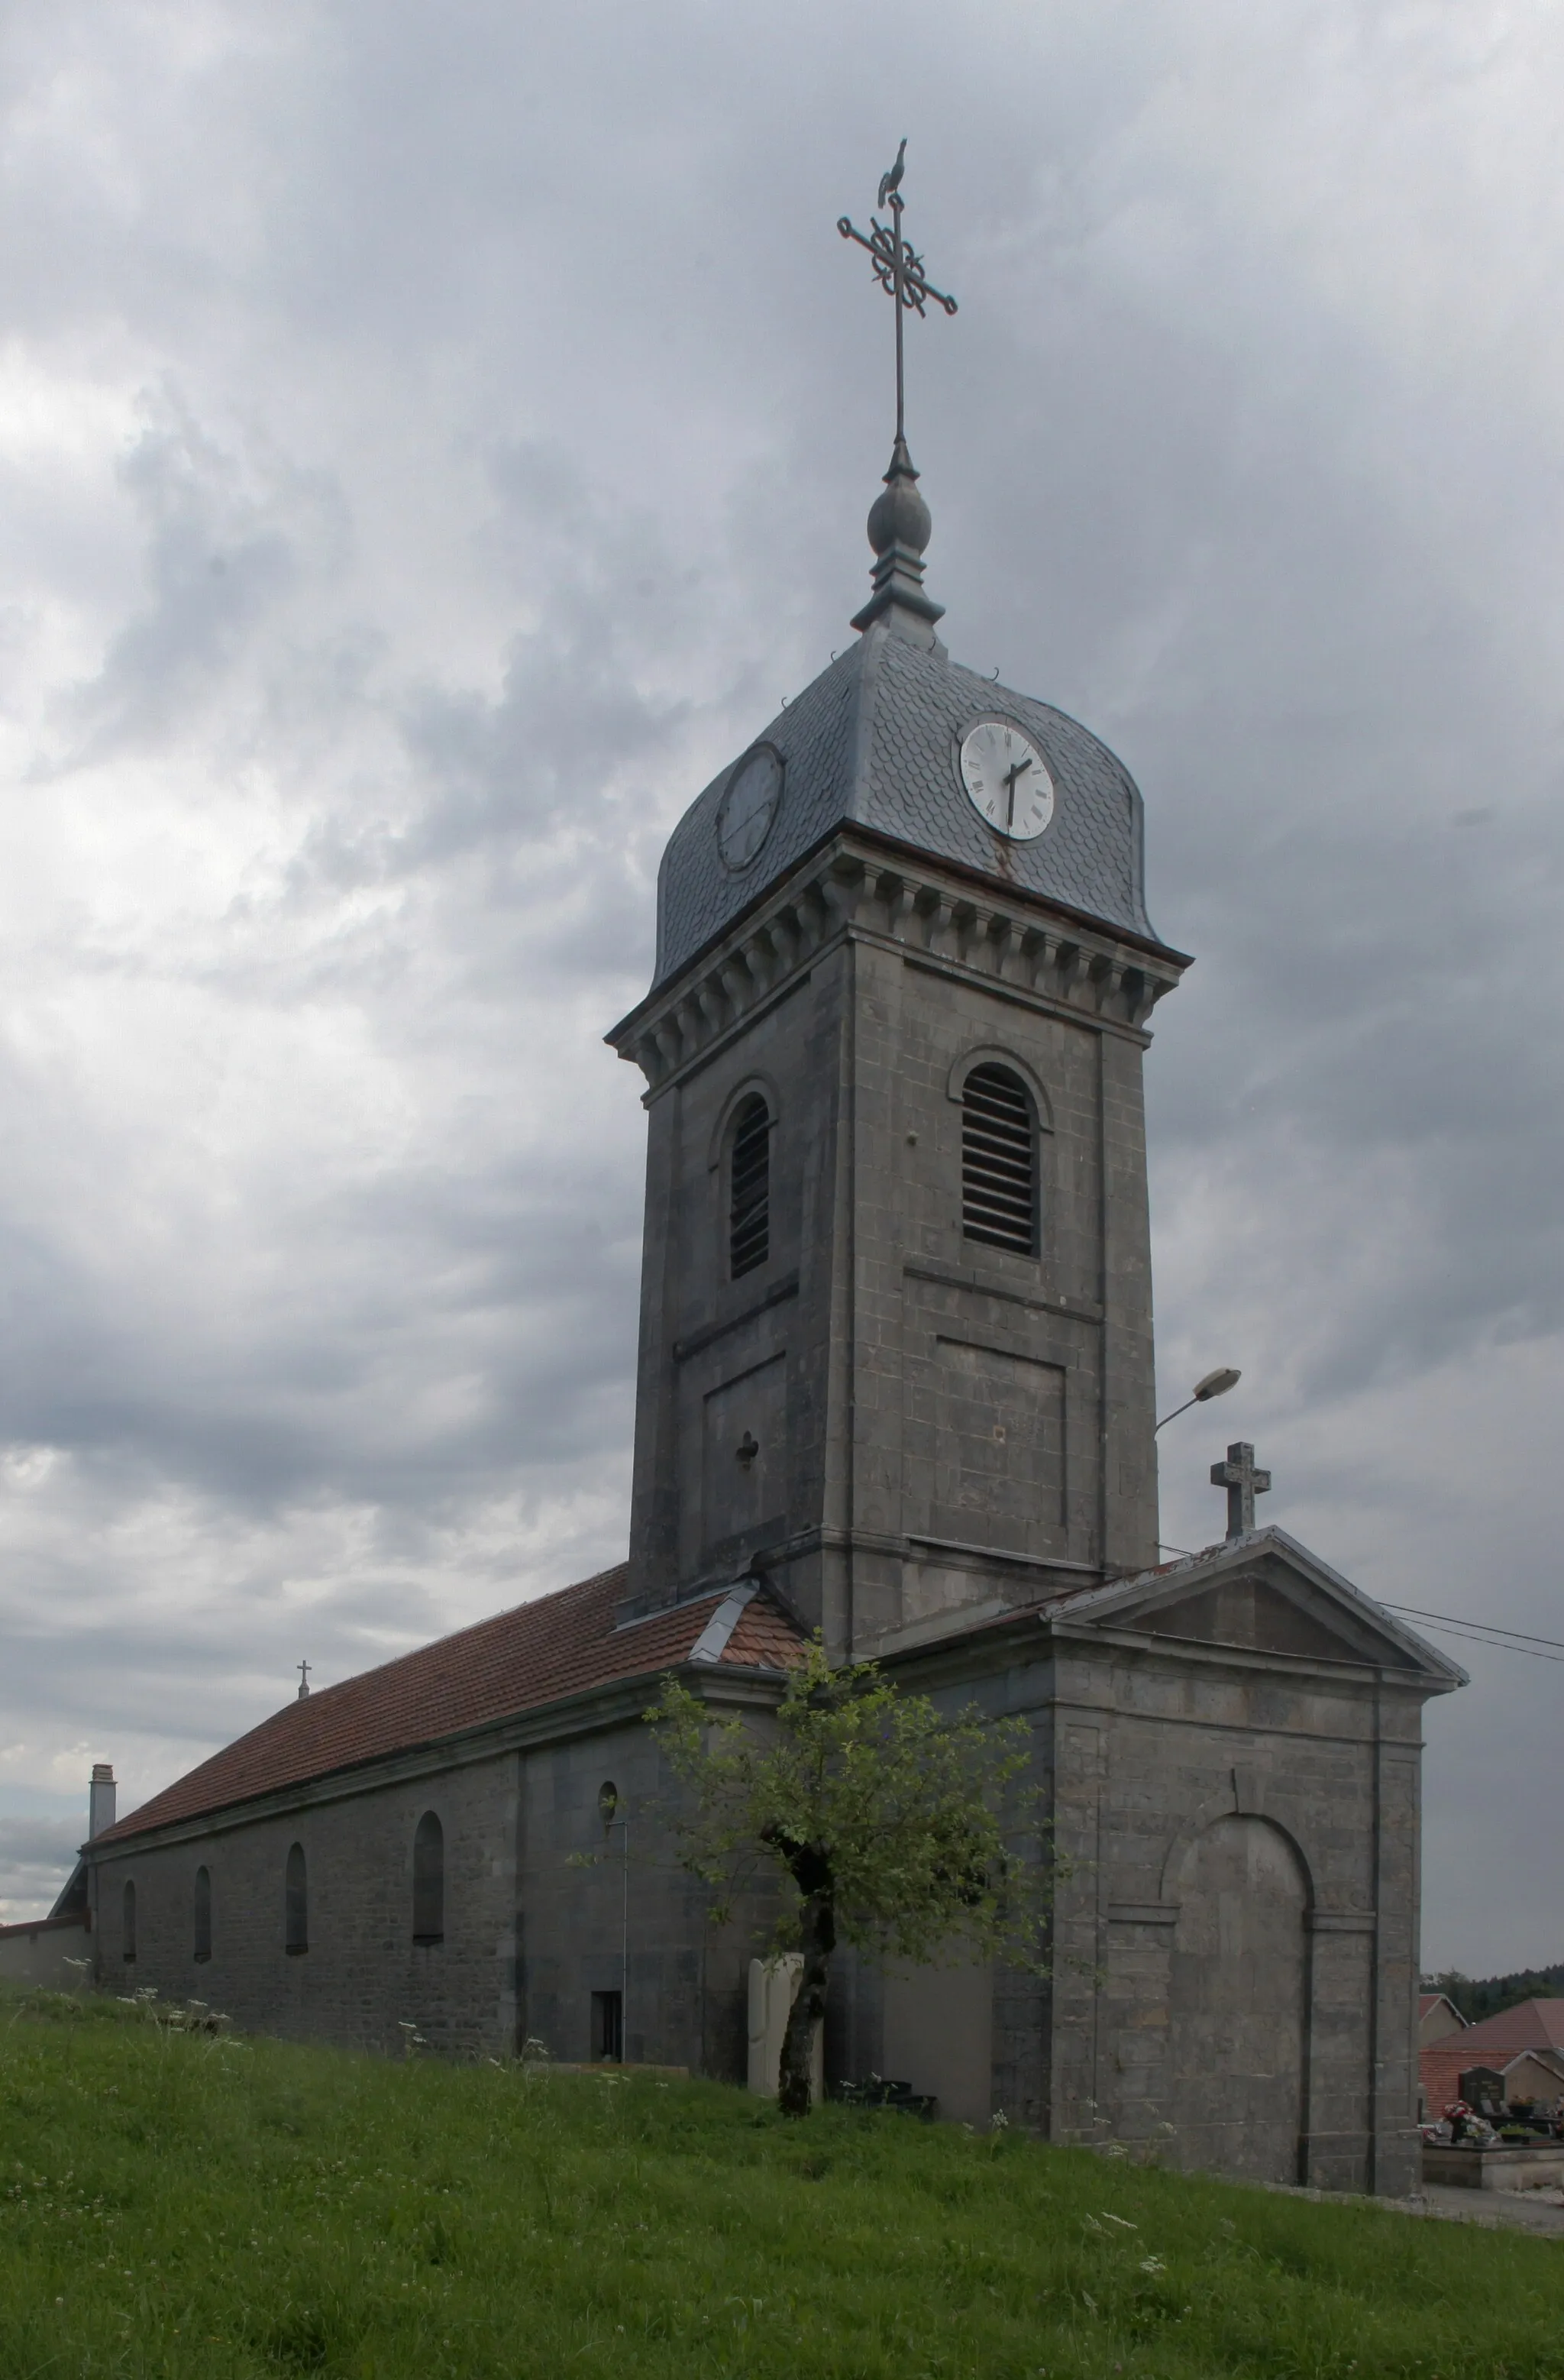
203 1912
999 1161
749 1187
296 1903
429 1880
127 1922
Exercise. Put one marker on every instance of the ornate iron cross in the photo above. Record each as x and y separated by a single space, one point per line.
1243 1482
898 269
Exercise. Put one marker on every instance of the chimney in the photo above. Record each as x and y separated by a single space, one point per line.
99 1800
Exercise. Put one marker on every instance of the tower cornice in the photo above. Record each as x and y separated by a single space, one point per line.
857 885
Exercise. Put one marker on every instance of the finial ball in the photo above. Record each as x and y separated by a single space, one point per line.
900 516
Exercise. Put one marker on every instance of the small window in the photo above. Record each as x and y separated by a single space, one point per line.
608 2027
999 1161
429 1880
749 1187
127 1922
203 1912
296 1903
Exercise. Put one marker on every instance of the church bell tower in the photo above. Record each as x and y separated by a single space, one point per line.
896 1330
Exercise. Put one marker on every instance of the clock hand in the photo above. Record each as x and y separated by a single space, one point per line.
1011 775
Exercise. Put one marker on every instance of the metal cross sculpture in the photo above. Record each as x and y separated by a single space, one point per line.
303 1681
897 268
1243 1482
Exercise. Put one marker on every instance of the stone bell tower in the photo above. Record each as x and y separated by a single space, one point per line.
896 1351
896 1340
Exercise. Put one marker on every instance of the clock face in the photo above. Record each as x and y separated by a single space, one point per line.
1006 779
748 807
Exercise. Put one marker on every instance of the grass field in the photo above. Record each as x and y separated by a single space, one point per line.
173 2204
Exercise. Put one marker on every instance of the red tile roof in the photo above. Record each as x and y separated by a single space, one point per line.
1535 2024
564 1643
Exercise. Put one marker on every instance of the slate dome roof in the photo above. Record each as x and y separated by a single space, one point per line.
873 742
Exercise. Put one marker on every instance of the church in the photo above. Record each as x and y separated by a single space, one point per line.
895 1384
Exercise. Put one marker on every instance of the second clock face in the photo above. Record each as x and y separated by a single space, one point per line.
1006 779
749 805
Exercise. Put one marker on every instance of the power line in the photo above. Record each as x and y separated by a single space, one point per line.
1467 1631
1493 1644
1457 1620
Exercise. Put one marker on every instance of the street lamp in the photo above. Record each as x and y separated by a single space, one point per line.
1214 1384
613 1816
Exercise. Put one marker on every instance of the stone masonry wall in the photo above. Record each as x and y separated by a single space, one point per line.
1000 1400
918 1400
535 1914
362 1972
590 1921
1165 1763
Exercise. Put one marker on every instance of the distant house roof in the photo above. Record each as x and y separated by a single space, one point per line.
1535 2024
1438 2016
544 1652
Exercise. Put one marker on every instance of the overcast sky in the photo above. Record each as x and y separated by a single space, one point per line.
431 439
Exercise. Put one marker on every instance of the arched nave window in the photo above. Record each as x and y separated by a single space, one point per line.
429 1880
296 1903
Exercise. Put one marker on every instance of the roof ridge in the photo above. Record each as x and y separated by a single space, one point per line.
452 1636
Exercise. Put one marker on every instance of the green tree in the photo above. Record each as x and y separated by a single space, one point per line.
884 1821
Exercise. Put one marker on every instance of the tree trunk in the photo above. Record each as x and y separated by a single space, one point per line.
817 1941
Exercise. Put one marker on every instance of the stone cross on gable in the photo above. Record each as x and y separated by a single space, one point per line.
1243 1482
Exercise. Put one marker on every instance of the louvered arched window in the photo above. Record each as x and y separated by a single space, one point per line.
429 1880
749 1187
999 1161
202 1912
127 1922
296 1903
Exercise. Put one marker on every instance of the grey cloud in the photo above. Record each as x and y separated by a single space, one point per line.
36 1856
222 548
38 1843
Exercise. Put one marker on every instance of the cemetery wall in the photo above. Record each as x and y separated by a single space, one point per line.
40 1955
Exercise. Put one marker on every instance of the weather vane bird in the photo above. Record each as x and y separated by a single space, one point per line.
898 269
892 181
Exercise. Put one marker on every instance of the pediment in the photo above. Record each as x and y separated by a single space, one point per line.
1265 1593
1260 1615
